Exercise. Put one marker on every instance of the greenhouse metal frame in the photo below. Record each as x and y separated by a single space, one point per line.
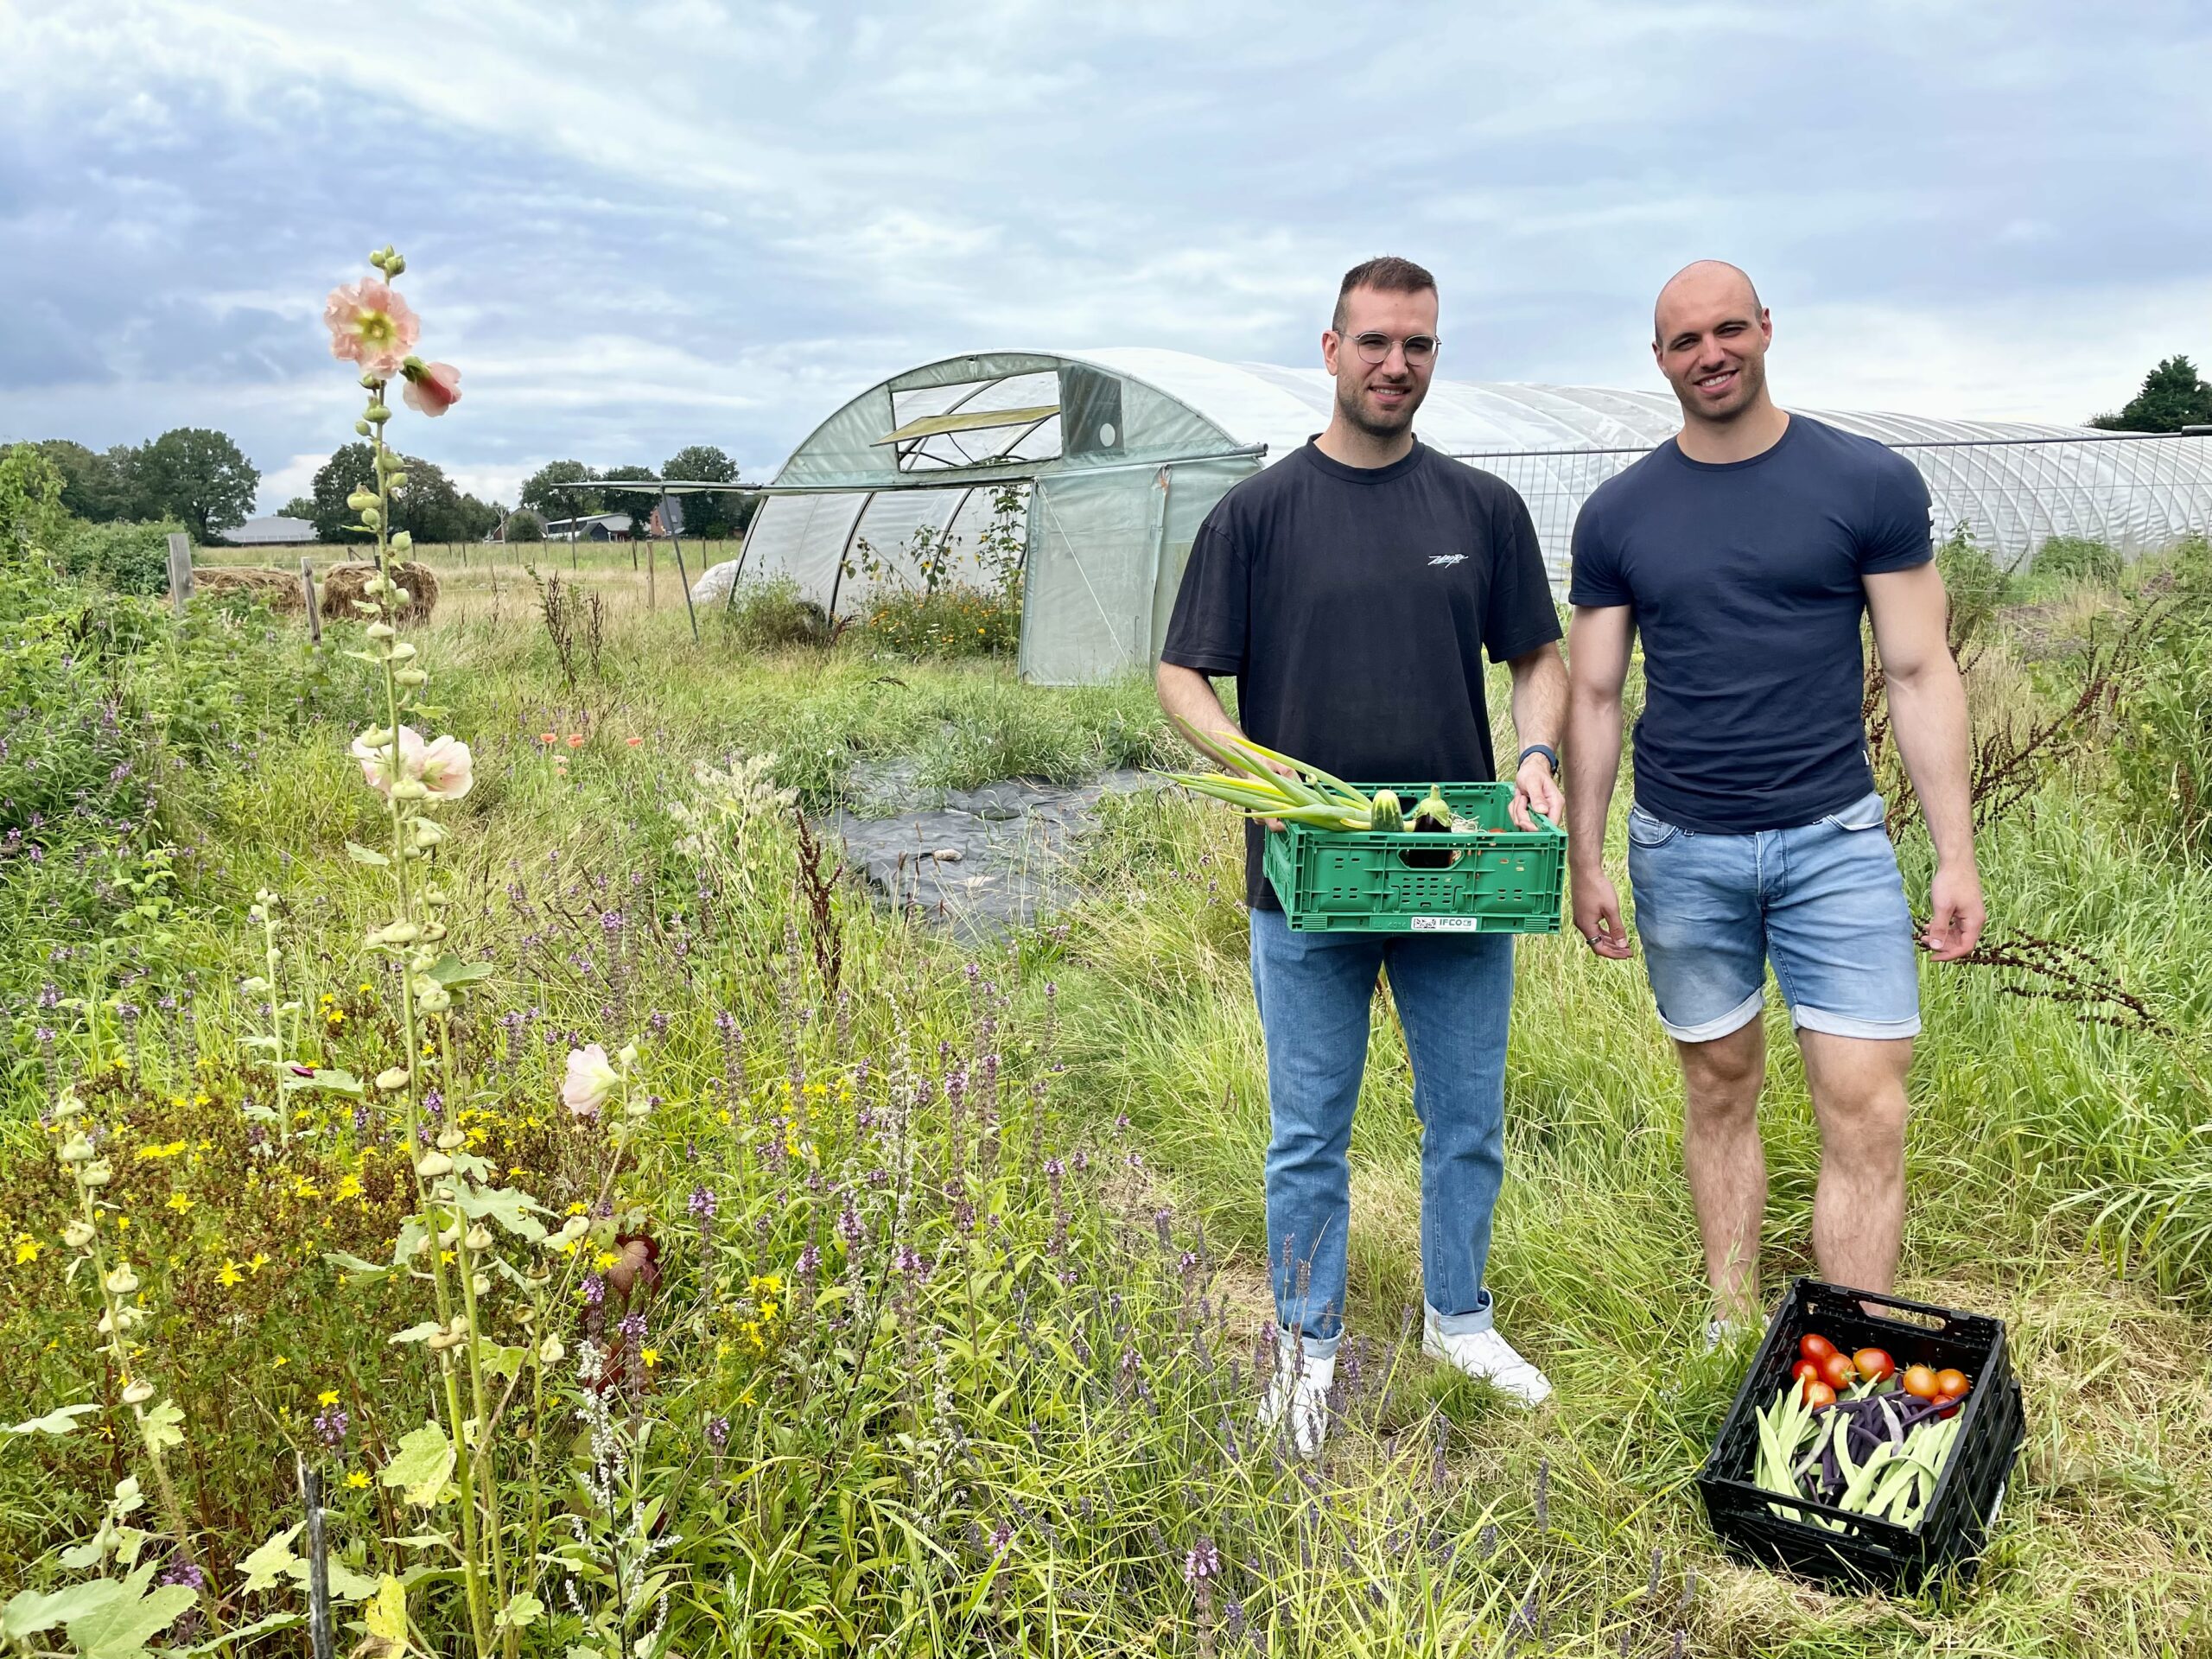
1122 452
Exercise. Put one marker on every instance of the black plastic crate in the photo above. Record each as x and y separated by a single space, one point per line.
1878 1554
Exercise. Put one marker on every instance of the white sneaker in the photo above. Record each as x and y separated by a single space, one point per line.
1488 1358
1722 1333
1303 1397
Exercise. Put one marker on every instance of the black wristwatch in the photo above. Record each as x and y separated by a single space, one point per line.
1544 749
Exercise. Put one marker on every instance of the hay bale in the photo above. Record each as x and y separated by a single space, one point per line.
342 584
278 590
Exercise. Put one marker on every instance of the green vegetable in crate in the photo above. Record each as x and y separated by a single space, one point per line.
1253 779
1433 812
1877 1450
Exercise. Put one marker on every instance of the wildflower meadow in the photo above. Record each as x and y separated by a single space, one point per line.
477 1179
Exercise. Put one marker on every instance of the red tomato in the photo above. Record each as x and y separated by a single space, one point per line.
1805 1371
1950 1381
1814 1348
1873 1364
1947 1405
1836 1372
1819 1393
1919 1382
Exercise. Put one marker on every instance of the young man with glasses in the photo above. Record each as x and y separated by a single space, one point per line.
1745 550
1353 589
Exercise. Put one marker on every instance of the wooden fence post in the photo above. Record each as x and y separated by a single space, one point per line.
314 616
180 570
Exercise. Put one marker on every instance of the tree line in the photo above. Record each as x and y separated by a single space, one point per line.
2174 396
200 478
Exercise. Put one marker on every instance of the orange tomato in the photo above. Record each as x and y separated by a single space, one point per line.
1873 1364
1819 1393
1950 1381
1919 1382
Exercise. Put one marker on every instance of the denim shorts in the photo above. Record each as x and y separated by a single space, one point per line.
1823 903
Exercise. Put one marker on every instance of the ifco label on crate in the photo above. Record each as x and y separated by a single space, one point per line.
1444 924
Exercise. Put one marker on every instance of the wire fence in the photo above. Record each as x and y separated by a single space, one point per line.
2135 492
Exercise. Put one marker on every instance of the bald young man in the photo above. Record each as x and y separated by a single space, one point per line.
1745 550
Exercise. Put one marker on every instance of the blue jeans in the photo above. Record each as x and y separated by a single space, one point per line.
1454 993
1823 902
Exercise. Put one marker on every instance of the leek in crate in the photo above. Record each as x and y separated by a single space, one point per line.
1309 795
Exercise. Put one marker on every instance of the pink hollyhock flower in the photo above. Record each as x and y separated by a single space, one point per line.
448 770
375 761
590 1080
432 388
371 325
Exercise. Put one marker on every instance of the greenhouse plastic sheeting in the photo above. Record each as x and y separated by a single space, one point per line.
1086 605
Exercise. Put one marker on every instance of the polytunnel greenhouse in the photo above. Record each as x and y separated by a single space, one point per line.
1098 467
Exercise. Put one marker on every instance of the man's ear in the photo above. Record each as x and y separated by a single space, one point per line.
1331 342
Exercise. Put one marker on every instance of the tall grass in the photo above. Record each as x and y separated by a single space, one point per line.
1046 1443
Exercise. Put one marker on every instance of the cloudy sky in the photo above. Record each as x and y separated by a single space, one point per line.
640 226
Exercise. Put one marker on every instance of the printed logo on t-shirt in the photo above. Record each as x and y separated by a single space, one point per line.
1448 558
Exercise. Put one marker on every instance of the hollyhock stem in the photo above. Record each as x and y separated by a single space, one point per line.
434 1214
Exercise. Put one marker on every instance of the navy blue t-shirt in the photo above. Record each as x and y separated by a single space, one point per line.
1355 606
1746 581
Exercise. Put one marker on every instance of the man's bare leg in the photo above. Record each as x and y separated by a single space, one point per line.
1726 1161
1857 1085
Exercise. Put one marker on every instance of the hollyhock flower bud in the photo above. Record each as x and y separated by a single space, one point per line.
478 1238
76 1150
432 388
361 500
402 542
392 1078
96 1174
77 1235
550 1351
450 1139
432 1165
137 1394
590 1079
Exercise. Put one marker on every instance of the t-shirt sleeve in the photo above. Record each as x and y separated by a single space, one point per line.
1595 579
1896 535
1211 630
1521 616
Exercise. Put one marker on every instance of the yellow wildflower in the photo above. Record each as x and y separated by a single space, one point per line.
327 1397
279 1360
228 1274
603 1261
577 1208
745 1398
446 1256
179 1202
357 1480
27 1248
348 1188
202 1100
304 1188
169 1150
651 1356
258 1262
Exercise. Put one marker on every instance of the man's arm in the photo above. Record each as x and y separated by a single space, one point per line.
1928 712
1539 703
1597 640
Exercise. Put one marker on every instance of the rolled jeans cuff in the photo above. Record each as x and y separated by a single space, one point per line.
1460 1324
1311 1346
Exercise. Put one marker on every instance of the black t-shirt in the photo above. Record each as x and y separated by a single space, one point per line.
1354 604
1746 579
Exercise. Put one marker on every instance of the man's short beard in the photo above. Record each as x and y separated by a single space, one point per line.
1348 403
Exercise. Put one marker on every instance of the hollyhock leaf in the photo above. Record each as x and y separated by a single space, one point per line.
450 971
421 1332
61 1420
421 1466
505 1361
520 1610
346 1585
512 1210
164 1425
329 1079
361 855
30 1611
122 1624
358 1272
228 1640
385 1615
272 1560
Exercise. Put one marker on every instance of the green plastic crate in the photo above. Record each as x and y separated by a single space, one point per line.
1340 881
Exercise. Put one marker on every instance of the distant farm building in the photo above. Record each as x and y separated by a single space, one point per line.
665 519
274 530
